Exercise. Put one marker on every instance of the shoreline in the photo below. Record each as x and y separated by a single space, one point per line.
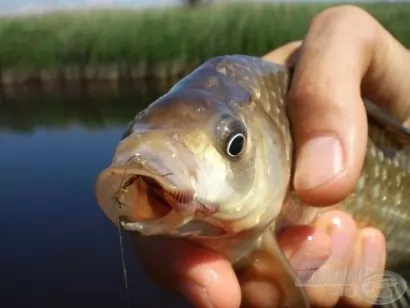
90 105
87 87
91 79
90 73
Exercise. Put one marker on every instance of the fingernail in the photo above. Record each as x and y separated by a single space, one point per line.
319 160
195 294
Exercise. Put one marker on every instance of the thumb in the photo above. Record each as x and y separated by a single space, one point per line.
344 53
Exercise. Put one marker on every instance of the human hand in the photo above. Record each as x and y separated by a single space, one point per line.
345 51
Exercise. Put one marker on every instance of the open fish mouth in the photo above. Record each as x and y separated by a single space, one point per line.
159 200
149 201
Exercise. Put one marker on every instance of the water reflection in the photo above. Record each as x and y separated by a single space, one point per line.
59 250
92 106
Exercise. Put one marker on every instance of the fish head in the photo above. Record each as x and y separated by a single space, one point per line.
204 162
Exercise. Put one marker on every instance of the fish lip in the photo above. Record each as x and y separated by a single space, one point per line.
184 205
182 200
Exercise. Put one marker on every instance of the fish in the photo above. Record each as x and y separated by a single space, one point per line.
211 161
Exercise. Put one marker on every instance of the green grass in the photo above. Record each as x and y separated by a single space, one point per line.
156 36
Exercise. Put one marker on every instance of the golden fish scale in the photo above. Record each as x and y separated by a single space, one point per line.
381 197
382 194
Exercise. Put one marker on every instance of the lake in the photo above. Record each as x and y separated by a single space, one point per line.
59 250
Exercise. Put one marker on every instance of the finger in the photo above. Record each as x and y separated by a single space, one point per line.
366 269
349 291
355 256
202 276
286 54
344 46
304 247
331 259
327 284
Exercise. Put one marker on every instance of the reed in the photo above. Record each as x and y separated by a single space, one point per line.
162 42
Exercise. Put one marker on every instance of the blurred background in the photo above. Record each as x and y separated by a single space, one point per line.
31 6
72 74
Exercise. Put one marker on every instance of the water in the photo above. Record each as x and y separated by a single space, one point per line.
59 250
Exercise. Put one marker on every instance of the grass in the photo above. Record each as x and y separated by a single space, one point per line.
155 36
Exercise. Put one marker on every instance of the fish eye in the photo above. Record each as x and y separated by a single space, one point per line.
232 136
235 145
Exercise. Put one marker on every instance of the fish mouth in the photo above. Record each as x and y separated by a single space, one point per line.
159 199
149 200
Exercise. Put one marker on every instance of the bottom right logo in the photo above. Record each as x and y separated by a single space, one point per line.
391 285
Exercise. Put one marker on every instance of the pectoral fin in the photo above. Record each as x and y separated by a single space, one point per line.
268 265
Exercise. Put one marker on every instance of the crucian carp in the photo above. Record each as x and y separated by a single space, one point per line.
211 161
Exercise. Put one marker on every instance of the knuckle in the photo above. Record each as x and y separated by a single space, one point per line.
305 92
346 20
344 14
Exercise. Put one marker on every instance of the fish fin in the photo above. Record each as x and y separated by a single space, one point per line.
268 264
395 130
291 72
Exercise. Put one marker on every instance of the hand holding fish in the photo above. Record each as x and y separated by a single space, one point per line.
346 53
347 48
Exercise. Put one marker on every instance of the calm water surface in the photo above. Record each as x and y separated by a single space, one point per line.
59 250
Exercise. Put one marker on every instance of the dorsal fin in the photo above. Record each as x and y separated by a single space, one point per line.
396 132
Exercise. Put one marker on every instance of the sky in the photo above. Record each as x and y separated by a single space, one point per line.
37 6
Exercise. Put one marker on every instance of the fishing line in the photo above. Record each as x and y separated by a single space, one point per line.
123 263
124 270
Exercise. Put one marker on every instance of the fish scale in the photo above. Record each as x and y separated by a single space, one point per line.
380 197
255 87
